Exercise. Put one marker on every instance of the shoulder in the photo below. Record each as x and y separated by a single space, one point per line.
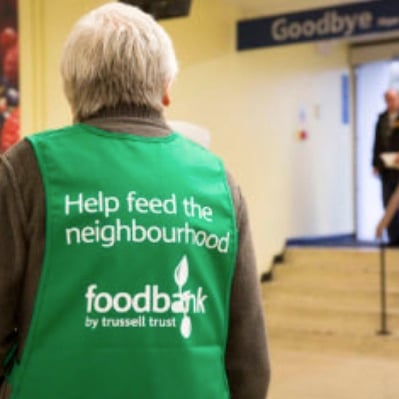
52 134
19 157
20 165
382 115
236 194
235 190
193 146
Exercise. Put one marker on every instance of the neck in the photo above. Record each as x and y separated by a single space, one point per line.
140 120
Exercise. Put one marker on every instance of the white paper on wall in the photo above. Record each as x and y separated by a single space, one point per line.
198 134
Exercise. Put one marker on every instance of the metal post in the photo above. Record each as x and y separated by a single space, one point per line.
384 328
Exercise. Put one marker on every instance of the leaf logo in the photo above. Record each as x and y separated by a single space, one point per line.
181 272
186 327
181 277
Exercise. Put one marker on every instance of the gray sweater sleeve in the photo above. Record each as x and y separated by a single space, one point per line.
247 358
22 208
21 247
12 251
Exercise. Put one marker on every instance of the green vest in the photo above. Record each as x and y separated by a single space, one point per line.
133 300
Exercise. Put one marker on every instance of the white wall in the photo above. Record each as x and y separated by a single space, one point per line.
251 102
44 26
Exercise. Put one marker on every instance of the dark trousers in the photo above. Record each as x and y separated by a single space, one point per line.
389 185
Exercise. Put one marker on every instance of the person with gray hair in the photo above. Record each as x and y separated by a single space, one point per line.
126 260
117 57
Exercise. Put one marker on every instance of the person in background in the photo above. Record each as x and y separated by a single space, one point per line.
387 140
126 261
390 212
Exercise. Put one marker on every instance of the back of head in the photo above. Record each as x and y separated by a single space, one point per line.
392 100
116 55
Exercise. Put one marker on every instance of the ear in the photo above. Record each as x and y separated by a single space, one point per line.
166 97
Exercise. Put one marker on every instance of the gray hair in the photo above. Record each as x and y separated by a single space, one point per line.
116 54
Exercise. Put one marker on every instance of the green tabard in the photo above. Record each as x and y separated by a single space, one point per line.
134 295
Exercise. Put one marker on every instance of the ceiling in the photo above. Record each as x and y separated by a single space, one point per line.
253 8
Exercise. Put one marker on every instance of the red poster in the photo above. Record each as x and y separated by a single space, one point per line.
9 74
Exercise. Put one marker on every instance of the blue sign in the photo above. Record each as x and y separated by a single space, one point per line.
345 92
379 16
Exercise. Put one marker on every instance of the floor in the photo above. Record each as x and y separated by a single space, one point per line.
358 364
311 375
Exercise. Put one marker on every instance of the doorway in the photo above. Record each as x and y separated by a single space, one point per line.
372 79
